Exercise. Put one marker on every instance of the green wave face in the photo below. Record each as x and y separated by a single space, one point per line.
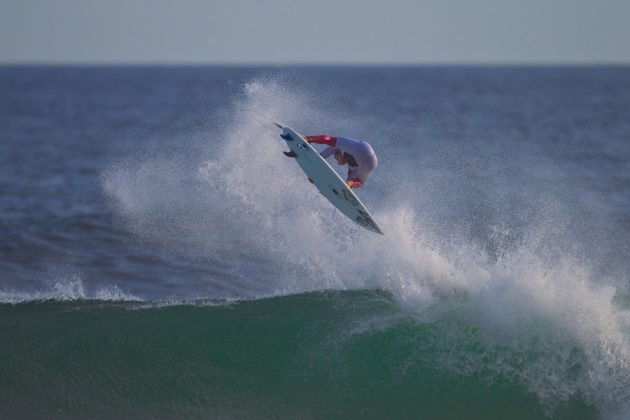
319 355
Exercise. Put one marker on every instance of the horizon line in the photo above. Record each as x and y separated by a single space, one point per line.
157 63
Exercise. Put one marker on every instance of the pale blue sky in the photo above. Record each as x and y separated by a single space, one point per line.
322 31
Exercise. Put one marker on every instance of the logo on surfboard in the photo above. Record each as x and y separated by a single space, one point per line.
331 188
350 198
366 221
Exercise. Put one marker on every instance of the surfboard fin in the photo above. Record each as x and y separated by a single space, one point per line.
290 154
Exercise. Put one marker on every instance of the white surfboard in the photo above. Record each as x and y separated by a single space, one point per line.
327 181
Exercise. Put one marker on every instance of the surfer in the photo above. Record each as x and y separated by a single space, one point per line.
358 154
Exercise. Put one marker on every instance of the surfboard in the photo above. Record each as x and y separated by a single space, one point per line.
327 181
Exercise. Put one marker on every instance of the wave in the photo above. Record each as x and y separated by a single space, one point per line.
256 358
541 309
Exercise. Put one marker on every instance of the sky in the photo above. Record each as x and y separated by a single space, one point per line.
315 32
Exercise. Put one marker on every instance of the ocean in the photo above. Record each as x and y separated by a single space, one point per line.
161 258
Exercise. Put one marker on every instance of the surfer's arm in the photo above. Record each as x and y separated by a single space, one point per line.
322 139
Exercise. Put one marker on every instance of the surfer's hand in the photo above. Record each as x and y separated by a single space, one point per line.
354 184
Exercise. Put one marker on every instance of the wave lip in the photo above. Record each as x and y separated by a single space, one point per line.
68 290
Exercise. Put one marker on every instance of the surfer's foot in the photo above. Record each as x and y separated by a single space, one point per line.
290 154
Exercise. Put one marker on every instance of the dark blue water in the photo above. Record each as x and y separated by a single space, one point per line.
150 197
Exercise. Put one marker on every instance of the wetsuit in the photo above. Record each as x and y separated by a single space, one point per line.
359 155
